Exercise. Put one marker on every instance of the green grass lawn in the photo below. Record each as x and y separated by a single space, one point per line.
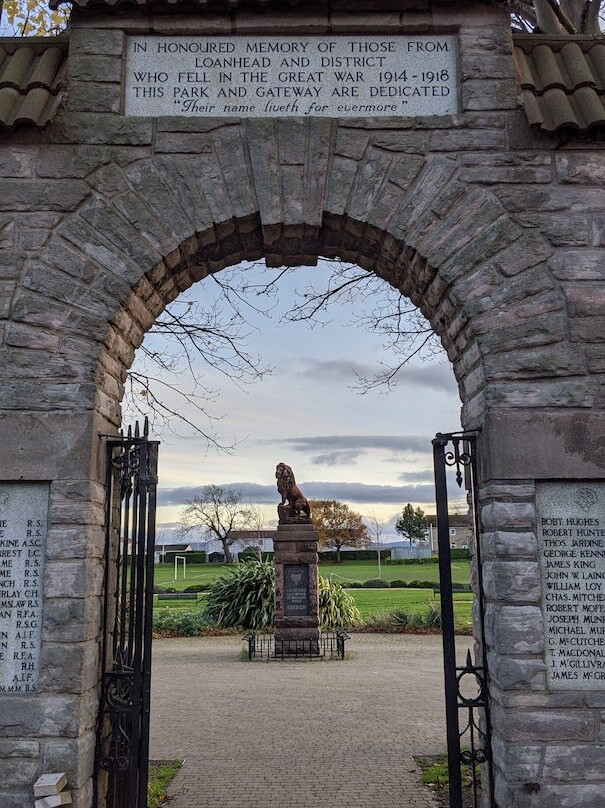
376 601
347 571
369 601
364 570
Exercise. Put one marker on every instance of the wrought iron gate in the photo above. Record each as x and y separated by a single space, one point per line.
123 728
466 686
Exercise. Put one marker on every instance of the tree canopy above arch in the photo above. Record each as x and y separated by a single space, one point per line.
556 17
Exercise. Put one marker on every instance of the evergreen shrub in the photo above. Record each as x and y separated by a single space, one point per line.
244 598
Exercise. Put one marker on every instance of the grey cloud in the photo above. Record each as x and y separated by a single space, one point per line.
347 457
431 376
425 476
351 492
335 443
332 369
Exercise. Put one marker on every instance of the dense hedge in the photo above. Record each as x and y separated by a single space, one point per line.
250 556
378 583
400 562
195 557
330 556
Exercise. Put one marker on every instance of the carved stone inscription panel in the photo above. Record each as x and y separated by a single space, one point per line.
277 76
23 528
571 536
296 590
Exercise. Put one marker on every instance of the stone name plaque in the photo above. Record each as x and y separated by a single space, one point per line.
571 537
277 76
296 590
23 528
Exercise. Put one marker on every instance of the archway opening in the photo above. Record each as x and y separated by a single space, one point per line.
329 455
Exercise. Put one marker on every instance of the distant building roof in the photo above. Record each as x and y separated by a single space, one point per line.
562 80
32 78
251 535
455 519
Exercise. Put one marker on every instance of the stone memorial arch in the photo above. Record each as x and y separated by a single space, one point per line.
482 201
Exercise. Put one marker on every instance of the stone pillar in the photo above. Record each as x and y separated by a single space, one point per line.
296 587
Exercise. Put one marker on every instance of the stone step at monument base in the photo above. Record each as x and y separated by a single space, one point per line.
295 623
299 641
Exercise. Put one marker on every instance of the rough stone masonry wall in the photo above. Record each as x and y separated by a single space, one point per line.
494 231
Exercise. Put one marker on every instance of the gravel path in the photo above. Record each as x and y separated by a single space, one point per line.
298 734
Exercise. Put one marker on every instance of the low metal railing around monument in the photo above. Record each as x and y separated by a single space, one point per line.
330 645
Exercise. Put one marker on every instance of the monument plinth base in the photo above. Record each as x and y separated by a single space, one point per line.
296 589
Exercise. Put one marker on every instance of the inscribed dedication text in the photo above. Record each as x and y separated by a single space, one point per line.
296 590
270 76
571 536
23 528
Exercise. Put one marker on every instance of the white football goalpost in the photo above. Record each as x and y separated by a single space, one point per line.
176 566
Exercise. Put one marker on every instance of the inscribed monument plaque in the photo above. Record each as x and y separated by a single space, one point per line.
23 528
296 590
270 76
571 536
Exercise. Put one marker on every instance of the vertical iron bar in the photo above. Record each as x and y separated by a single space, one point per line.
477 533
447 624
150 486
135 565
126 686
123 539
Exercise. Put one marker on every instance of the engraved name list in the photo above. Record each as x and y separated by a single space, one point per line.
571 536
23 528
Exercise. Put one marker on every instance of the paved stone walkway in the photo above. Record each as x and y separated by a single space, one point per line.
298 734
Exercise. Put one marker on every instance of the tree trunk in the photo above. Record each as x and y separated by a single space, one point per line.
338 553
591 21
547 19
227 552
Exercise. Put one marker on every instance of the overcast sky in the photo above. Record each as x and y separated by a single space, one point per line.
371 450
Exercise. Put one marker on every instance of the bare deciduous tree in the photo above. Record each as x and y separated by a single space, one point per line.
218 513
557 17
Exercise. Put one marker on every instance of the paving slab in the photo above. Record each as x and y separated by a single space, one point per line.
298 734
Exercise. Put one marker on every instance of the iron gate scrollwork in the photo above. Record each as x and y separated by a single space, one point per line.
123 726
469 739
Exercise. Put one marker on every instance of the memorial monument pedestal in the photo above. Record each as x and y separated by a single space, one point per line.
296 589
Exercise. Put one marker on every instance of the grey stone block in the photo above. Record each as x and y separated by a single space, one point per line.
506 515
574 763
74 756
16 773
16 799
69 667
13 747
512 581
73 579
508 544
544 725
71 620
511 673
518 762
94 68
514 629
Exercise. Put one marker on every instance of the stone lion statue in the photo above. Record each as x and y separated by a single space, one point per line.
290 492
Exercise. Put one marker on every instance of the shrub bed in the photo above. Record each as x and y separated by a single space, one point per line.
179 623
